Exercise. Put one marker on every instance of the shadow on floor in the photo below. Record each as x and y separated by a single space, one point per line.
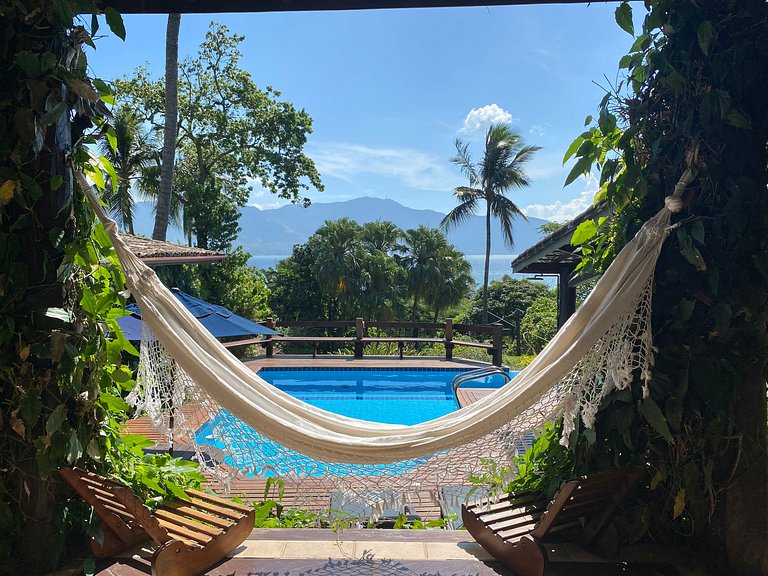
369 566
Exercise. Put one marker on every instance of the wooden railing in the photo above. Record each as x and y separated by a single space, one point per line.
493 332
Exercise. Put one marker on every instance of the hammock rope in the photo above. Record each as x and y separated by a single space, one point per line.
597 350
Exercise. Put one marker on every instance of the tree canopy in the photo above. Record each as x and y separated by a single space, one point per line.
507 298
346 270
232 135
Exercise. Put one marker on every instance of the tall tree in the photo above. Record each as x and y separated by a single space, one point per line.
294 291
169 126
424 250
457 281
381 235
377 288
500 169
338 262
230 132
133 158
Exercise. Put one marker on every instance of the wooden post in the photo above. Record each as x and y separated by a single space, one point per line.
359 334
497 343
449 338
566 298
269 348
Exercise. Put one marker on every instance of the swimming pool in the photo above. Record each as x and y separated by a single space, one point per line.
392 396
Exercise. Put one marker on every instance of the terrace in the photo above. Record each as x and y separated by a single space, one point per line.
711 285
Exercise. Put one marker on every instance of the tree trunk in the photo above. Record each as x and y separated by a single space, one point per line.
415 305
169 131
487 260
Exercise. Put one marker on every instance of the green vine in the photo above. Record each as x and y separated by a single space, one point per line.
692 103
63 360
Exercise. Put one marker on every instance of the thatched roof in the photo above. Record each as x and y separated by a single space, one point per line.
159 253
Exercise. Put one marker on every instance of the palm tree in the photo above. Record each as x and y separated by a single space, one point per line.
378 287
335 270
424 250
381 236
500 169
133 159
148 188
456 283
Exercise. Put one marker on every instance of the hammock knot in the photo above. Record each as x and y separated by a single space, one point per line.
673 203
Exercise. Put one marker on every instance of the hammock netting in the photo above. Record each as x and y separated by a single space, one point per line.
240 425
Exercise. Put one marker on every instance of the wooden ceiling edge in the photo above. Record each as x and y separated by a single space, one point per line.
239 6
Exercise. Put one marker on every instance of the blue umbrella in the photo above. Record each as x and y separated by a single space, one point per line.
220 322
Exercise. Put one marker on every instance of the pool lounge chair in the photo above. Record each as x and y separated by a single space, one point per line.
514 527
191 535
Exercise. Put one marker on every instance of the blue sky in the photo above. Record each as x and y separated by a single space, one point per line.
389 90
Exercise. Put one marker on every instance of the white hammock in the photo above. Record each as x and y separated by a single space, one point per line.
597 350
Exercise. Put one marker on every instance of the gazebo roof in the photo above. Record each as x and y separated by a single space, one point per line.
160 253
554 253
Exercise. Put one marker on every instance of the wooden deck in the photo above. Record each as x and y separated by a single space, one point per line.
337 361
314 493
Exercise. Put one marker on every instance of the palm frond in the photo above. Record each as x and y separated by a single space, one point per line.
464 161
460 213
506 211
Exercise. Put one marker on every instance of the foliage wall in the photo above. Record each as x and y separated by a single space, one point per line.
692 112
59 281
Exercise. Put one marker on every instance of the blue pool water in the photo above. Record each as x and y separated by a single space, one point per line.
389 396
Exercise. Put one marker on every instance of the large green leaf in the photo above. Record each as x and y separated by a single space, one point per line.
623 15
75 448
705 34
115 22
573 148
56 419
584 232
582 166
653 415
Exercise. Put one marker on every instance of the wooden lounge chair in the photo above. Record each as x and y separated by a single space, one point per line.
191 535
514 527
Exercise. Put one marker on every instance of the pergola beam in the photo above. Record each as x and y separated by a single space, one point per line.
218 6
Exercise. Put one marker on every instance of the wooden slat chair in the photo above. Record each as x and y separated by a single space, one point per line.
191 535
514 527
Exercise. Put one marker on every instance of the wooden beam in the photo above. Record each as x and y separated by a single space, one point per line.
218 6
566 299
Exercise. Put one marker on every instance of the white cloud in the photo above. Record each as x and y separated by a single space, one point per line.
537 130
479 118
563 211
413 168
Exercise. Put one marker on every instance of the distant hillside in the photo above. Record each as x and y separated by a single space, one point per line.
275 231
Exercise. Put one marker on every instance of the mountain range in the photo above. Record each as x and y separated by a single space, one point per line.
275 231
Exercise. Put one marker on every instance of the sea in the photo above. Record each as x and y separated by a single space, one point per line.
499 265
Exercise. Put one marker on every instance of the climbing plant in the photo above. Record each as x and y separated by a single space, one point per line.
62 358
691 114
